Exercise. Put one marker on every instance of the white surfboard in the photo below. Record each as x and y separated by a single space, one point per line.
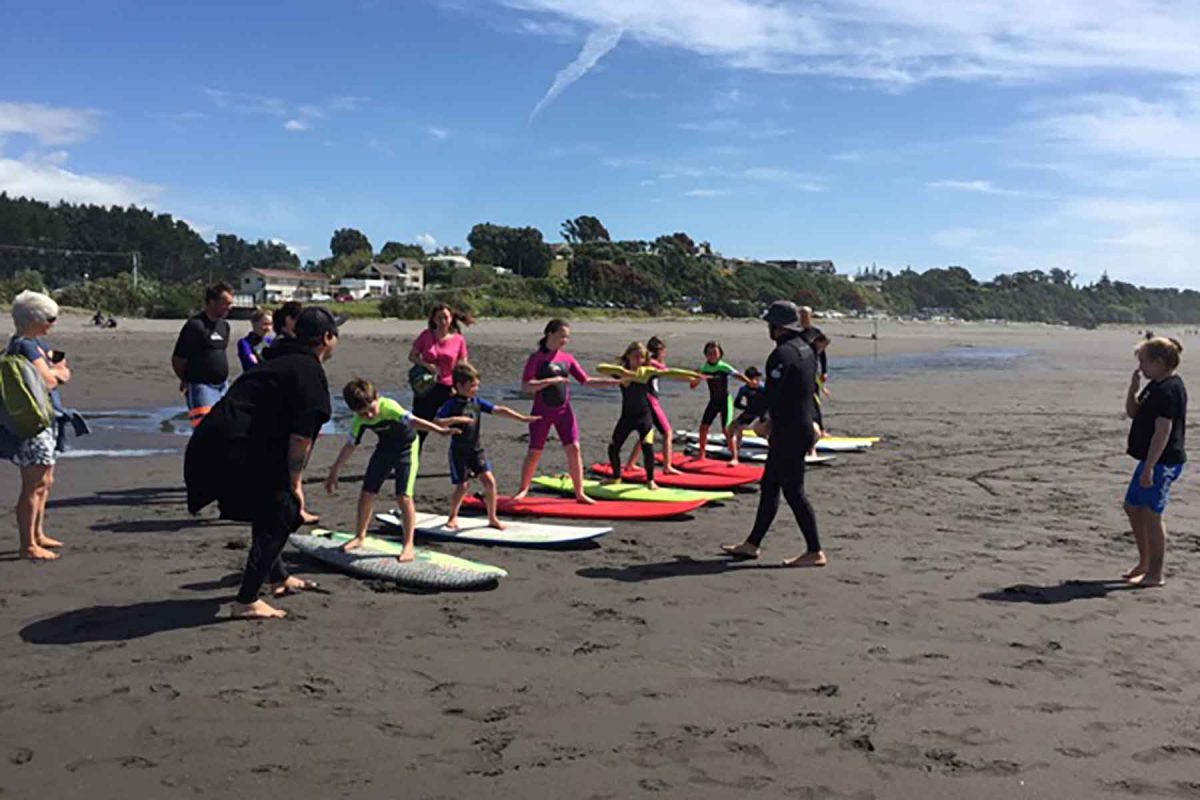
830 444
477 530
755 456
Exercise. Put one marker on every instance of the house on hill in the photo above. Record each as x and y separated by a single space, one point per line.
385 279
280 285
816 267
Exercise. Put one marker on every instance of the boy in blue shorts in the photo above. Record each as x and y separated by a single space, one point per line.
396 455
1156 440
464 412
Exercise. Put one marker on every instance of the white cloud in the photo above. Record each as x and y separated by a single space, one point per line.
47 179
706 193
48 124
441 134
752 129
298 250
902 42
976 186
427 241
247 103
597 45
295 125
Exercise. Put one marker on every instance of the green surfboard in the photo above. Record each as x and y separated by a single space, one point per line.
628 491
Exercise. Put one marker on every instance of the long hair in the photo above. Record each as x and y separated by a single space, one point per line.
552 327
655 345
457 318
1160 348
634 347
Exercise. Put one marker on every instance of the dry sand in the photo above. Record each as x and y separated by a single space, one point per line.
960 645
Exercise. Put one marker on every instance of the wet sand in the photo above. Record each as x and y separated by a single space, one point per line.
964 641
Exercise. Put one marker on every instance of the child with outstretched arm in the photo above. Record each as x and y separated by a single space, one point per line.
396 455
464 412
720 405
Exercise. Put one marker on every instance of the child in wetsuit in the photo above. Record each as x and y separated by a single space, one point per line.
749 401
250 346
396 455
657 349
636 412
464 412
720 404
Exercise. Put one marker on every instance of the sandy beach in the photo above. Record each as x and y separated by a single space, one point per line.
965 641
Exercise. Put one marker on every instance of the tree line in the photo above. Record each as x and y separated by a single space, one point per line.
84 253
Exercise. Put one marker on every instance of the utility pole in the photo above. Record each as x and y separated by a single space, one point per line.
137 257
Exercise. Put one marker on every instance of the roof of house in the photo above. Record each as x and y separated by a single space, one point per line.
400 266
290 274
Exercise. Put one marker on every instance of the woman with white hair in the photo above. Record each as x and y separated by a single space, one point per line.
34 314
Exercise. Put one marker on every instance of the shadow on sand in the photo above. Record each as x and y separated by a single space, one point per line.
1065 592
122 623
679 567
148 496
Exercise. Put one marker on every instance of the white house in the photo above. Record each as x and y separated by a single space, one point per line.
386 279
458 262
281 285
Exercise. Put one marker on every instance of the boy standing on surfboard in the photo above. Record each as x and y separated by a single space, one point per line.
396 455
464 412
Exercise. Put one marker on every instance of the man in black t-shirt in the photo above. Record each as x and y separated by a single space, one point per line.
249 453
1157 439
789 402
200 361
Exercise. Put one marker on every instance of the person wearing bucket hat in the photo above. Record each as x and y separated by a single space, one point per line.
791 373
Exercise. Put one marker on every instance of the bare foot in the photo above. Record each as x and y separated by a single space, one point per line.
609 481
406 556
743 550
353 544
290 585
497 524
45 541
583 498
651 485
1135 574
451 524
816 559
521 495
1148 581
672 471
259 609
38 553
309 519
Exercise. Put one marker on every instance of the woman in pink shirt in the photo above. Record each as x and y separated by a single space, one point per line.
438 349
547 374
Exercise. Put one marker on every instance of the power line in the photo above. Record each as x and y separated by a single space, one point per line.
133 255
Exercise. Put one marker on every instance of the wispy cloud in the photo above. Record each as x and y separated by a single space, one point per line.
597 45
380 146
751 129
977 187
441 134
706 193
956 238
427 241
300 116
48 179
296 125
245 103
851 156
49 125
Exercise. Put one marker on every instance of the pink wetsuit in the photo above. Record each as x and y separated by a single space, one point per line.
553 404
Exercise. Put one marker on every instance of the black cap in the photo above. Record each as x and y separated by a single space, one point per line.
784 314
313 323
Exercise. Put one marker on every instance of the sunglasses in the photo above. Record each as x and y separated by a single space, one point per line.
51 320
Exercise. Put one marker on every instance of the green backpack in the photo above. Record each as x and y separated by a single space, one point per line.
25 408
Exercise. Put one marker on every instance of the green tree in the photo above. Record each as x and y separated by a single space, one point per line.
348 240
523 250
393 250
585 229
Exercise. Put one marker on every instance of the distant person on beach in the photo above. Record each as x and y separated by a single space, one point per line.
437 350
788 402
547 377
657 349
720 405
200 360
283 319
250 346
749 401
1157 441
396 456
34 315
464 413
249 454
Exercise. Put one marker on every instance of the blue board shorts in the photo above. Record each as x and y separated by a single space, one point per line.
201 397
1154 498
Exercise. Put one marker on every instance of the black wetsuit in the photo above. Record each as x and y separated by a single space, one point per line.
791 374
809 335
636 415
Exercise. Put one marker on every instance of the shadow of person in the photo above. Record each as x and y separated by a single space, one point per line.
144 496
121 623
156 525
679 567
1065 592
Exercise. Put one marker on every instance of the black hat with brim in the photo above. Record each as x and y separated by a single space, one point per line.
313 323
784 314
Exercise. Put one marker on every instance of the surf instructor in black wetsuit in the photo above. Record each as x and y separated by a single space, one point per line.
789 402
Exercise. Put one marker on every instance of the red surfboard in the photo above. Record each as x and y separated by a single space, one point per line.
729 479
711 466
569 508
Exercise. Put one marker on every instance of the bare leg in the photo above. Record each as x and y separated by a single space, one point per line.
39 528
527 470
30 505
1155 528
732 442
456 499
1139 538
409 512
489 498
669 467
575 467
366 507
703 442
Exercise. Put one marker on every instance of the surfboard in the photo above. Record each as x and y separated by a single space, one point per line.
757 456
617 371
832 444
377 559
568 508
709 466
628 491
476 530
712 480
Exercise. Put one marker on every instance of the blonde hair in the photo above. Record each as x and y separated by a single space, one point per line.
634 347
1161 348
30 308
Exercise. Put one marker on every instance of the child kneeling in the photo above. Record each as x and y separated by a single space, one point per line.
463 412
396 455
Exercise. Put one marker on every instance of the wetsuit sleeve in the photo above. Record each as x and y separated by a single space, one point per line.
727 368
576 370
530 371
739 400
485 406
824 363
446 410
185 345
245 354
357 429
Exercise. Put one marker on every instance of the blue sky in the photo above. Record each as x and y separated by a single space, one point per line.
998 136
